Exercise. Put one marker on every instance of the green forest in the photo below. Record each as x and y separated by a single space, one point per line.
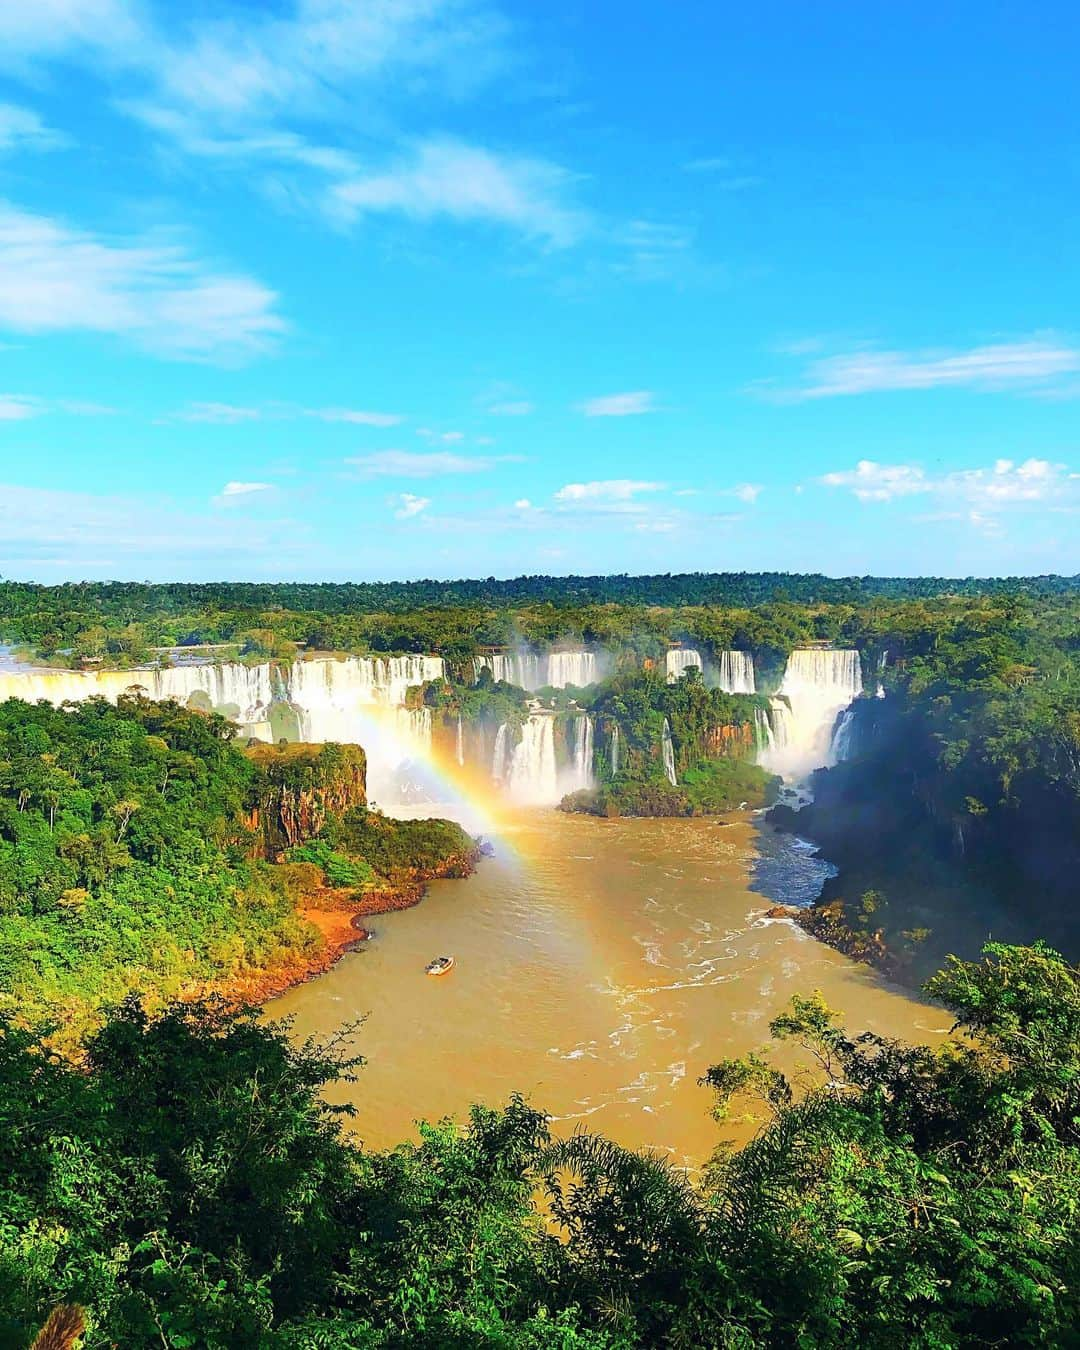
143 853
171 1167
194 1189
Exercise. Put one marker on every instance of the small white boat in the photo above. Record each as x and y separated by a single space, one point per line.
439 966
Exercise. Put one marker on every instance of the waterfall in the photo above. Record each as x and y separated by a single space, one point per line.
500 760
242 693
737 673
580 772
734 671
669 754
460 743
533 777
817 686
359 700
614 749
680 659
763 732
843 738
532 671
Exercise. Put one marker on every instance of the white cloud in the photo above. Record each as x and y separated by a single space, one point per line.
407 464
1029 365
747 492
230 413
407 505
513 408
522 504
1005 483
237 489
224 414
610 489
55 278
78 532
22 129
58 28
872 482
620 405
18 407
443 177
357 416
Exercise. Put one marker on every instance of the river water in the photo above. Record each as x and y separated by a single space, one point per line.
601 967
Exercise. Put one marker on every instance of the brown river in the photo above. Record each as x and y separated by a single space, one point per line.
600 968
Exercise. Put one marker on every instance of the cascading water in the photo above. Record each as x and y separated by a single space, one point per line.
580 771
532 671
460 747
614 749
242 693
817 686
763 732
533 779
736 673
733 671
357 700
680 660
668 750
500 759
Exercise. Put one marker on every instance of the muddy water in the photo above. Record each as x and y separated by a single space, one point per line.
601 967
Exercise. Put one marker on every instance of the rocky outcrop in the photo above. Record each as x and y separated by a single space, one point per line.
297 788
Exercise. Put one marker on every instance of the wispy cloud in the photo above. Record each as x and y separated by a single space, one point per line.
229 414
22 129
1032 365
55 278
512 408
21 407
71 534
406 505
18 408
1004 484
620 405
607 490
357 416
238 489
408 464
222 414
452 179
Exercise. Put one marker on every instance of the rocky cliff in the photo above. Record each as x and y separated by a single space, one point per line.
297 788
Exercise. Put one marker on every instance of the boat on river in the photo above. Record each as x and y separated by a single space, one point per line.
439 966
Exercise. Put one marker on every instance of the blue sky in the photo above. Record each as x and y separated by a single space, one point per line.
398 288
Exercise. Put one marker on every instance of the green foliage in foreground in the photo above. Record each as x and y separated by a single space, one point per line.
195 1189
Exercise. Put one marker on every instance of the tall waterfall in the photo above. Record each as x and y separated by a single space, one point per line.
817 687
737 673
500 759
733 673
533 779
532 671
614 749
358 700
668 750
580 772
460 746
679 660
242 693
